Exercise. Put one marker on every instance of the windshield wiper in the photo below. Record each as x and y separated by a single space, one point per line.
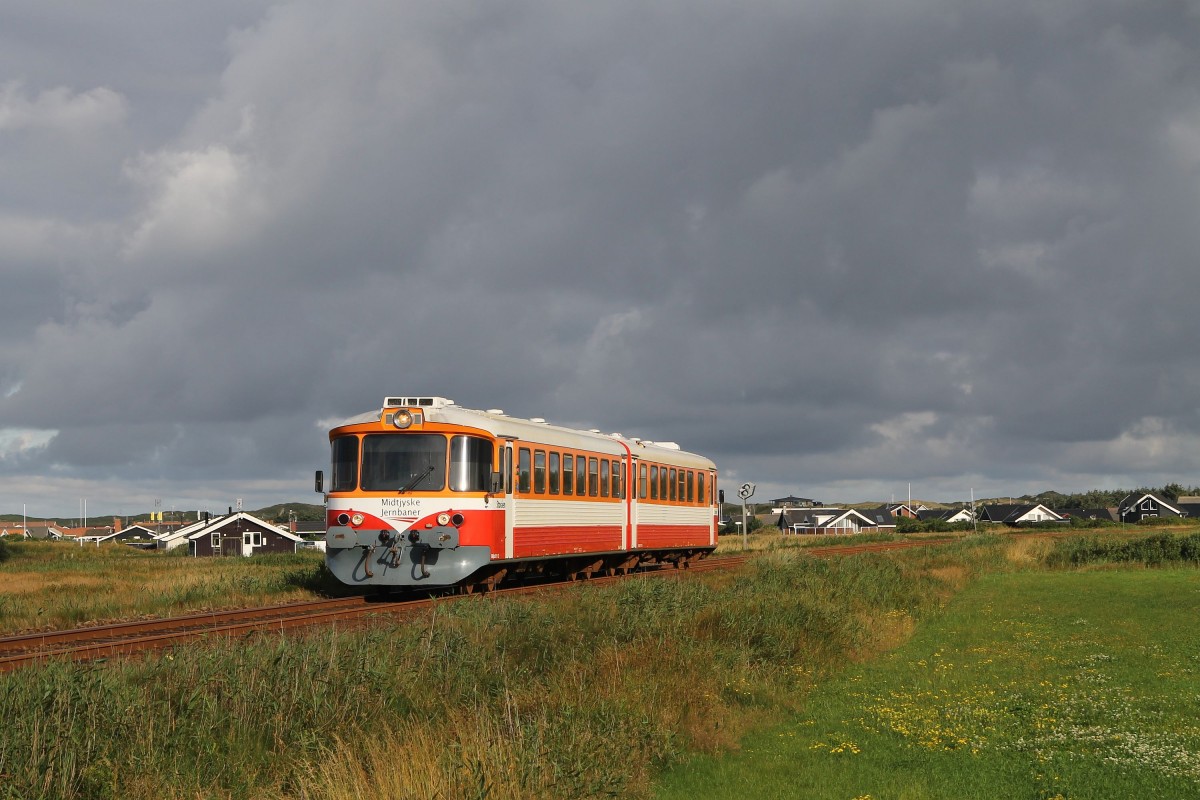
413 483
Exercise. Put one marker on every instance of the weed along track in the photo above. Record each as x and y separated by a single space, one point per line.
105 641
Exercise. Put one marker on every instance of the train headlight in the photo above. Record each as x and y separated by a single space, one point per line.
357 519
443 518
402 419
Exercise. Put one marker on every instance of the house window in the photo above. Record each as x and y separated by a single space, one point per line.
1147 505
252 538
216 541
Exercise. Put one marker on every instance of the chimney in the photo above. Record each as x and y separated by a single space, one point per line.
116 523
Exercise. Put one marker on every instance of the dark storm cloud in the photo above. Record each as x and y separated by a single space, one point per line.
838 247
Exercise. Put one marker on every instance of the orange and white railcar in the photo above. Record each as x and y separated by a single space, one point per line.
423 493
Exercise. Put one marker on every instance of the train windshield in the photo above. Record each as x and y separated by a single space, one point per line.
345 464
470 464
414 462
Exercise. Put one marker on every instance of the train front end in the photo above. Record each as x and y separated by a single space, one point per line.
412 498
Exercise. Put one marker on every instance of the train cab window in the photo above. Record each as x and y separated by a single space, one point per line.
654 483
554 474
508 471
568 473
580 475
593 477
642 482
673 484
523 471
414 462
691 486
604 477
470 464
539 471
345 464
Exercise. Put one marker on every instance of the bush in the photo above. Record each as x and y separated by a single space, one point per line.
1161 548
5 552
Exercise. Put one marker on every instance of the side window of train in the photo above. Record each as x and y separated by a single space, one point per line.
508 470
691 486
654 483
568 473
642 482
662 484
539 471
593 477
617 475
554 474
604 477
700 479
523 471
580 475
674 477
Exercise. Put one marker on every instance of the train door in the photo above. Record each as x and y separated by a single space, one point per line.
632 486
714 500
510 507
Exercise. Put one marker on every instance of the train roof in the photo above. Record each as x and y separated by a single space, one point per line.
496 422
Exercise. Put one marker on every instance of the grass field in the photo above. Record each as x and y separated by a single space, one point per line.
595 691
1031 685
53 585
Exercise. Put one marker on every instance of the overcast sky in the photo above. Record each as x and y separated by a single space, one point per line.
841 248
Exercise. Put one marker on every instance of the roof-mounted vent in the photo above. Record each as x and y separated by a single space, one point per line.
539 420
667 445
417 402
498 412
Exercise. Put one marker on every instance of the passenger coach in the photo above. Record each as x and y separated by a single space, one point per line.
425 493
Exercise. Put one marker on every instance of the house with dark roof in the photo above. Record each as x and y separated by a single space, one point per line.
1016 515
826 521
791 501
170 539
1090 514
945 514
132 535
241 534
884 516
1147 505
45 532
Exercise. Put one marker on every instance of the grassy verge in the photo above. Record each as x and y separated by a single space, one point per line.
585 694
52 585
1032 685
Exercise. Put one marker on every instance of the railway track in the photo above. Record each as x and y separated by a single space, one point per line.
124 638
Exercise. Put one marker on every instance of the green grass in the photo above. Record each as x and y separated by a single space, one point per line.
54 585
583 694
1032 685
594 691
